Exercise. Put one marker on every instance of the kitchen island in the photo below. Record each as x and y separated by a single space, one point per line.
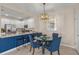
10 41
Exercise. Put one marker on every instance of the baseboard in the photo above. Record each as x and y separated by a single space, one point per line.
13 49
76 51
71 47
68 46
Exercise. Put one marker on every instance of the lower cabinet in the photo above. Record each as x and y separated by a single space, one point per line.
12 42
19 40
7 43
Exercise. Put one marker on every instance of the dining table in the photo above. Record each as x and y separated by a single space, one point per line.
44 40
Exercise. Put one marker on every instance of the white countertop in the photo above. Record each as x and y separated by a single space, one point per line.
10 35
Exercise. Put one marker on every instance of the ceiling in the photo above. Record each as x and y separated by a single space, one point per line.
26 10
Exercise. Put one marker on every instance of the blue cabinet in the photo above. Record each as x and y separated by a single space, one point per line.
19 40
12 42
7 43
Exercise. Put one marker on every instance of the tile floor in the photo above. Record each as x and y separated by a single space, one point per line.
25 51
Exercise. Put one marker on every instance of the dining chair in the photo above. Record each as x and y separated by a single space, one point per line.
36 34
39 34
34 44
54 35
54 45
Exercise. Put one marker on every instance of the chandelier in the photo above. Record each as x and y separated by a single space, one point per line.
44 15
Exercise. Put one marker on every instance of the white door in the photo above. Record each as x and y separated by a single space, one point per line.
77 29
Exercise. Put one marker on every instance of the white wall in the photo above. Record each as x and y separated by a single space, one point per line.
68 28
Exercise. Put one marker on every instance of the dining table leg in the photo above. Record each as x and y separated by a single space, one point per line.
43 50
